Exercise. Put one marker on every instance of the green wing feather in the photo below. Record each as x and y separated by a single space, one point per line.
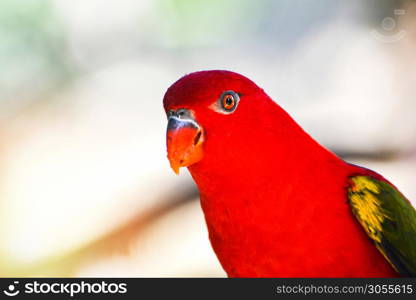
389 220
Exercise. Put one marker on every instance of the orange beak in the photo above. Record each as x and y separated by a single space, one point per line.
184 139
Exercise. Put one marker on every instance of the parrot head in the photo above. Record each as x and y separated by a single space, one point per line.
212 113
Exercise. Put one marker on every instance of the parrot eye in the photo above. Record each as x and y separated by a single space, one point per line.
229 101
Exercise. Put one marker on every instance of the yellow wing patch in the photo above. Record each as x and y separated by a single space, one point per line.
364 183
367 207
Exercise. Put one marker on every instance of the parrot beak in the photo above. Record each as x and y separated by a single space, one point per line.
184 138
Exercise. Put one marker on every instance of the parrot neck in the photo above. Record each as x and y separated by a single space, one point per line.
278 153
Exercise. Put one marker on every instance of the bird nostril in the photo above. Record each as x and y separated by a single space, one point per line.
170 113
182 113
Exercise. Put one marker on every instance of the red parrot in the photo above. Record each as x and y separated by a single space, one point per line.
276 202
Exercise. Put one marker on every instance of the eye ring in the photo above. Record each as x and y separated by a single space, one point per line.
229 101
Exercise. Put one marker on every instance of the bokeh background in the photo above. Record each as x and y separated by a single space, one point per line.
85 186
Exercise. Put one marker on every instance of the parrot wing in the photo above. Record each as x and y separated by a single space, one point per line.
389 220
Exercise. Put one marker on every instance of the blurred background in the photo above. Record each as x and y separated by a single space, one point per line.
85 186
